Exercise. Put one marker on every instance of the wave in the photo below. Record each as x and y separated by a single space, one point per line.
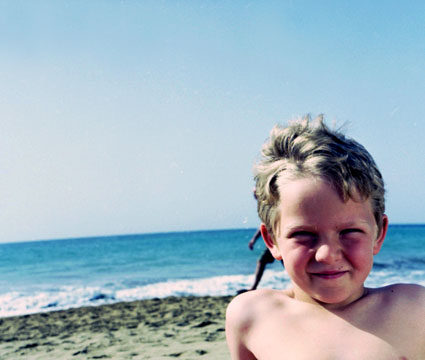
65 297
412 263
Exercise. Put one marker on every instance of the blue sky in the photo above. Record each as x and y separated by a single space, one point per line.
123 117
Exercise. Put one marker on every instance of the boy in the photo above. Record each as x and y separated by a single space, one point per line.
321 201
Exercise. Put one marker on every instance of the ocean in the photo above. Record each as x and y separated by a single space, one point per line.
51 275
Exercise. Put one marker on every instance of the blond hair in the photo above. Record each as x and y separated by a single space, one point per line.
309 148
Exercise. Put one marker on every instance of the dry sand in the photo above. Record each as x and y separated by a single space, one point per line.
170 328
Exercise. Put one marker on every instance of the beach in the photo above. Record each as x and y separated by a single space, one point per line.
168 328
148 296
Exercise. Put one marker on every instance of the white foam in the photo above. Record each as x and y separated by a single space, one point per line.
19 303
215 286
384 277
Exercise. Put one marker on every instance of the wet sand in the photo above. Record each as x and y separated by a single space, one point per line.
171 328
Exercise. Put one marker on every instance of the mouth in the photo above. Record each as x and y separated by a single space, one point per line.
329 275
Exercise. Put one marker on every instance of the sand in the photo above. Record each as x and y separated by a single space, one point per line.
170 328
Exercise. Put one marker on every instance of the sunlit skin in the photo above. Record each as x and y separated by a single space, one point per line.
327 244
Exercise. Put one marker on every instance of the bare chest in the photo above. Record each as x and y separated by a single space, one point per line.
320 339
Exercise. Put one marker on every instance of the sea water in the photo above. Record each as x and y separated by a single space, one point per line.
58 274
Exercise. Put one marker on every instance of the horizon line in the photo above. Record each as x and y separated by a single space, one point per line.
161 232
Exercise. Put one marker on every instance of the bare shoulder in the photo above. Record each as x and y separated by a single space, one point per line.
404 303
410 294
244 308
404 308
243 315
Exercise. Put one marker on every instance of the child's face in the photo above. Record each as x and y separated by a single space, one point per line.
327 245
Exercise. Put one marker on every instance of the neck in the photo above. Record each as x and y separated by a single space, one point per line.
342 306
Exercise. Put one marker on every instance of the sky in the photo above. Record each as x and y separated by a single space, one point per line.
125 117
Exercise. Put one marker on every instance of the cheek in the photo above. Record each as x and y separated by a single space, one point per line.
297 258
361 257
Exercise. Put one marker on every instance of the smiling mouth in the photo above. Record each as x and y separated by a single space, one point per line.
329 275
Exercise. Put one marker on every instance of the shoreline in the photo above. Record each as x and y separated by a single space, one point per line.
167 328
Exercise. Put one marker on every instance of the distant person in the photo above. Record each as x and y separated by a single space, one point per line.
265 258
321 201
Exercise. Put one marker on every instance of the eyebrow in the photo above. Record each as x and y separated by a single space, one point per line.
313 228
354 223
296 228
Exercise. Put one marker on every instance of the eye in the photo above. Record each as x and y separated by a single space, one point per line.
303 234
304 237
351 234
351 231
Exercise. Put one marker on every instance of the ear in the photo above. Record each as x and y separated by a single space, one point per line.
381 236
271 245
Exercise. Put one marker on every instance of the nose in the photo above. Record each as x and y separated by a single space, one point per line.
328 252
